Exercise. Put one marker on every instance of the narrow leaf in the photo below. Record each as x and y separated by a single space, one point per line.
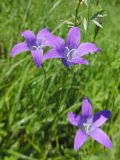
97 23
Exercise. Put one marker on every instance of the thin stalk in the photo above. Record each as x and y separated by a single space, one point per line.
113 99
45 84
63 84
88 16
97 2
97 29
61 95
73 79
59 104
76 11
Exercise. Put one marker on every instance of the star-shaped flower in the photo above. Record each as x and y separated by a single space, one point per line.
36 45
71 50
88 125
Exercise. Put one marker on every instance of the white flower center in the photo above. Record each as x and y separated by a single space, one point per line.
37 47
87 127
70 54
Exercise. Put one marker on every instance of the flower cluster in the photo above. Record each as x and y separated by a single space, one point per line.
70 52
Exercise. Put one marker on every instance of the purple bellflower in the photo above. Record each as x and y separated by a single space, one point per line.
88 125
35 44
71 50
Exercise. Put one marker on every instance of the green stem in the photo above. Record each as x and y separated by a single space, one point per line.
76 11
62 88
57 113
72 81
88 16
61 95
45 84
97 2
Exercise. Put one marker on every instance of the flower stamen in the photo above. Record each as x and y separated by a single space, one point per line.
70 54
87 127
37 47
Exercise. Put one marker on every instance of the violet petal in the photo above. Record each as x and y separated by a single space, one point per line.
79 61
37 57
53 53
67 63
100 136
100 121
86 48
80 139
57 43
29 37
86 108
104 113
73 38
74 119
18 48
75 61
43 36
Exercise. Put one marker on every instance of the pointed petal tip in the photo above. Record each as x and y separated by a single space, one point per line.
76 148
37 65
21 33
87 63
86 107
11 55
75 27
45 29
98 49
87 99
95 47
109 145
74 119
106 113
69 113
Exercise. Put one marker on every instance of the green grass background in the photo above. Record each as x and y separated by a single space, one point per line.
33 108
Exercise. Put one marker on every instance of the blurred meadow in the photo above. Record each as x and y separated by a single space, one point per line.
34 102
